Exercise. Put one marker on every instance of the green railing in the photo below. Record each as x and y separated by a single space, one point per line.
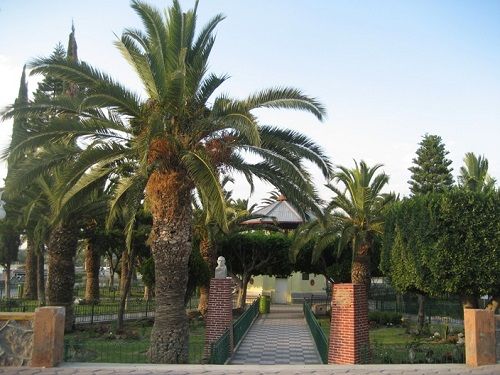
220 349
241 326
317 333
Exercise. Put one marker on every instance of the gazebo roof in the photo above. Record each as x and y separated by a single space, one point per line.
280 213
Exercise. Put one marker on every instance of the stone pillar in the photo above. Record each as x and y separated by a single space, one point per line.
220 312
480 338
48 337
349 341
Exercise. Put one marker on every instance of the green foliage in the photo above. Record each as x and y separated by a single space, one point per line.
444 244
385 317
258 253
9 243
474 174
431 171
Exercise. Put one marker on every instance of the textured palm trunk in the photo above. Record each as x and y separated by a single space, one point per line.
40 277
61 279
125 288
360 271
207 251
30 290
170 200
92 266
124 270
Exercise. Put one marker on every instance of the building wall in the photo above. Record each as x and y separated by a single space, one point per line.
297 288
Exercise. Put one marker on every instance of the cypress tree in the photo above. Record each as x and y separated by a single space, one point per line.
431 171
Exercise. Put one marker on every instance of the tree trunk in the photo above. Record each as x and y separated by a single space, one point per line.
61 279
148 293
124 290
207 251
242 295
7 281
92 266
170 200
421 312
469 302
360 271
40 277
111 283
30 290
124 270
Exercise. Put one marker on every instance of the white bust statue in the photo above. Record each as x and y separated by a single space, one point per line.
221 269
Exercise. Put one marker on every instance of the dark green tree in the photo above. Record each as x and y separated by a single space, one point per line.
431 171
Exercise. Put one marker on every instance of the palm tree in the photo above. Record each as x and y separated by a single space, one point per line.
176 139
474 174
358 210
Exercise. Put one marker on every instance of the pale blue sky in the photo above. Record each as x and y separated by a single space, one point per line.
387 71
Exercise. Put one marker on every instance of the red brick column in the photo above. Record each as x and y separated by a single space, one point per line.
220 312
48 337
349 342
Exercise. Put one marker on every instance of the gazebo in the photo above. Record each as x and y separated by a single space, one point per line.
284 215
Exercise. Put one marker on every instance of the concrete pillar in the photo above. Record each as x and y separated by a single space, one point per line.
349 341
48 337
220 312
480 340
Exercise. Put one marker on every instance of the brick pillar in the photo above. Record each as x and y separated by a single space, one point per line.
349 342
48 337
479 337
220 312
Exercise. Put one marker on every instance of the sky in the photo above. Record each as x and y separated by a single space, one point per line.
387 71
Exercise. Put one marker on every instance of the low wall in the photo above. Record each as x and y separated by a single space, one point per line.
16 339
482 337
32 339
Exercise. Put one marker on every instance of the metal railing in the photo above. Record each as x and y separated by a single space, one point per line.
317 333
220 350
241 326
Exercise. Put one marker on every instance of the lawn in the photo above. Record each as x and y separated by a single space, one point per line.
395 345
100 343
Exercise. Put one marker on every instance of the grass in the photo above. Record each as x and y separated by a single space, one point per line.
395 345
101 344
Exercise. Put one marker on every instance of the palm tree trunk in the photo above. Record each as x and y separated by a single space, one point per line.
125 290
360 271
170 199
92 266
124 270
61 279
207 251
40 276
30 291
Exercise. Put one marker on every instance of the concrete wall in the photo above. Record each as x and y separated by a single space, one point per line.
297 288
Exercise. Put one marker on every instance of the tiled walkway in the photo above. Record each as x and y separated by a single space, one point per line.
281 337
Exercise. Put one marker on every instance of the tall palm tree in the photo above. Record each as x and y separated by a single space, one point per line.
174 140
474 174
358 209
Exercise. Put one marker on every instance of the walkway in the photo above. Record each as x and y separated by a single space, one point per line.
118 369
281 337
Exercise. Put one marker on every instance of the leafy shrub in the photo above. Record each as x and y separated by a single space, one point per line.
385 317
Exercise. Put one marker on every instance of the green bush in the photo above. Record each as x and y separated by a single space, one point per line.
385 317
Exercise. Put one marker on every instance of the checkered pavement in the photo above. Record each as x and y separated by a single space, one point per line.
281 337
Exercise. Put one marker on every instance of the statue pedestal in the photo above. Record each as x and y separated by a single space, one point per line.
220 313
